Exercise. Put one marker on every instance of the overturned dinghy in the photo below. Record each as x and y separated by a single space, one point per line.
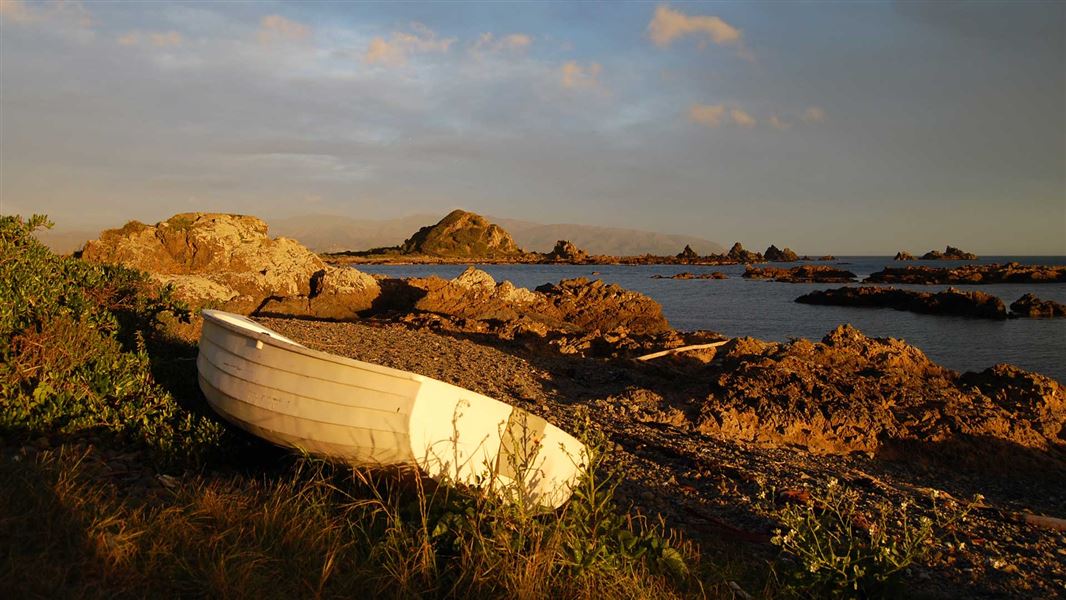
371 415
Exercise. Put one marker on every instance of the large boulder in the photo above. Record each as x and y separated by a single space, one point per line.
462 234
231 251
337 294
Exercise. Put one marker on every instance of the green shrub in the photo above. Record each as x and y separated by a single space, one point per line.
72 348
841 552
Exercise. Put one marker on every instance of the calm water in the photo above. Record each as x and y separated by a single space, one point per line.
764 309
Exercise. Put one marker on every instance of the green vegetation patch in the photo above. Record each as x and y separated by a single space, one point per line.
73 355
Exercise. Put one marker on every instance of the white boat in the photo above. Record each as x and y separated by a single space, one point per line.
370 415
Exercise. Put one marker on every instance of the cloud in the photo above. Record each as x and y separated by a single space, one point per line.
668 25
276 28
159 39
712 115
813 114
779 123
16 11
575 76
396 49
71 11
706 114
488 42
742 118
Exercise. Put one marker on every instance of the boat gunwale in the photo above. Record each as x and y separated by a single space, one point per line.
298 373
214 317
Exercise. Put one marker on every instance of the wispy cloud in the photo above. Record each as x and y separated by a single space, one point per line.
742 118
778 123
706 114
713 115
71 12
576 76
488 42
813 114
276 28
159 39
396 50
668 25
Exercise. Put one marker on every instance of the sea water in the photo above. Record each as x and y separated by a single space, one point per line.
767 309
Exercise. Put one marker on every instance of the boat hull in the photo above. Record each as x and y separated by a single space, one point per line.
369 415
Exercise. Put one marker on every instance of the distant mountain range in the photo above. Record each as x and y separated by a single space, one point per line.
333 233
325 233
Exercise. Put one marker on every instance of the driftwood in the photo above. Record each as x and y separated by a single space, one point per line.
1045 522
680 350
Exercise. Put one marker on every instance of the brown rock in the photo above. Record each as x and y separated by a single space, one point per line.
601 306
564 251
950 302
801 274
688 253
211 256
904 255
738 254
687 275
971 274
461 234
851 393
949 253
1031 306
772 254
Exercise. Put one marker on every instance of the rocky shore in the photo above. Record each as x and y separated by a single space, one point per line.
971 274
712 439
708 443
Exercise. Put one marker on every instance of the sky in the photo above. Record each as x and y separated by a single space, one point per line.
843 127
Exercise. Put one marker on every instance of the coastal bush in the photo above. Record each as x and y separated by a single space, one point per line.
840 552
72 348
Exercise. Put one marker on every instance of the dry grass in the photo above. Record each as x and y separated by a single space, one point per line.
69 530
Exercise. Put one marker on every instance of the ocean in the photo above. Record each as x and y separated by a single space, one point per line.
766 309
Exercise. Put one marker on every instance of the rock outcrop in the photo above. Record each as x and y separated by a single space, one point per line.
801 274
340 294
851 393
688 253
570 306
595 305
949 253
951 302
564 251
462 234
687 275
1031 306
772 254
971 274
904 255
211 257
738 254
